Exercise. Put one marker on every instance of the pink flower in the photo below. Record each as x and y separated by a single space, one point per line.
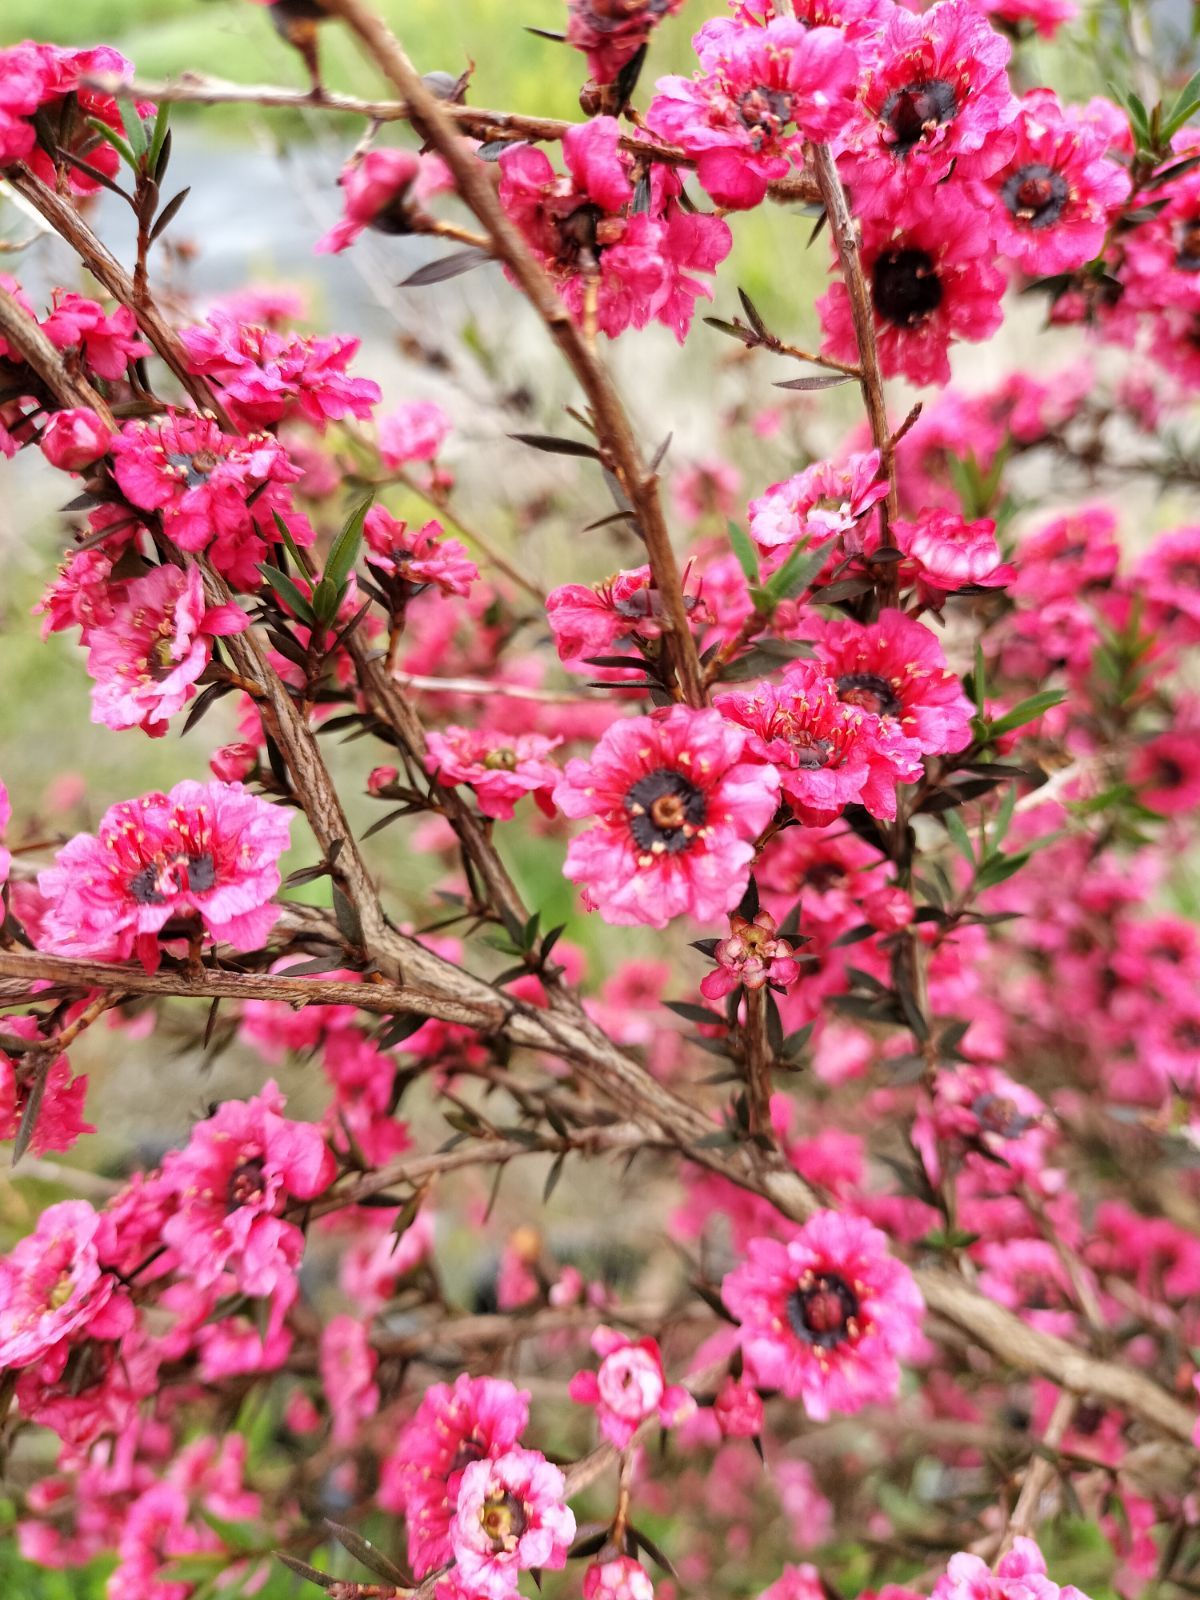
825 1316
52 1285
587 230
375 195
499 767
1019 1575
1165 771
950 554
935 92
932 282
239 1170
822 502
210 488
478 1419
588 622
206 850
829 754
1052 199
106 343
418 555
622 1578
413 432
630 1387
234 763
678 811
611 35
347 1366
510 1517
146 658
894 667
760 93
738 1409
60 1115
796 1583
74 439
750 958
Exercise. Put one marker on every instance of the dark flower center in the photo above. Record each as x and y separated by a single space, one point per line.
468 1451
822 1310
870 692
911 112
197 468
161 660
163 877
1000 1116
503 1519
823 876
1036 195
246 1183
812 753
905 287
1187 255
764 111
665 811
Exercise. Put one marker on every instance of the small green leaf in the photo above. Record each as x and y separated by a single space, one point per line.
797 572
957 829
743 549
1028 711
289 593
344 554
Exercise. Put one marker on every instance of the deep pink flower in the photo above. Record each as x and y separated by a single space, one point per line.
375 195
678 811
801 1582
738 1409
611 32
234 763
822 502
52 1285
1045 16
948 553
510 1517
146 658
589 621
211 489
825 1316
239 1170
477 1419
347 1366
629 1387
418 555
587 231
935 91
894 667
622 1578
413 432
499 767
1168 575
1052 199
932 282
106 342
60 1115
74 439
829 754
205 849
750 958
1166 773
759 94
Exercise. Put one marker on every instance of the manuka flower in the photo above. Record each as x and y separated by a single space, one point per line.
822 502
1019 1575
146 658
946 553
476 1419
759 94
629 1387
829 754
932 281
205 850
239 1170
53 1286
74 439
611 32
935 91
499 767
375 194
1050 202
59 1120
413 432
678 810
510 1518
592 235
894 667
211 489
825 1316
589 621
750 958
417 555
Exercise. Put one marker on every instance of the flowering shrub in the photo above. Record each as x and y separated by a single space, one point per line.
858 1083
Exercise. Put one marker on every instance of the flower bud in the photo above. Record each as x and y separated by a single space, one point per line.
234 763
74 439
381 778
739 1410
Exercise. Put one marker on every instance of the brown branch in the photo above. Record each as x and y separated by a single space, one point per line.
474 185
474 121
